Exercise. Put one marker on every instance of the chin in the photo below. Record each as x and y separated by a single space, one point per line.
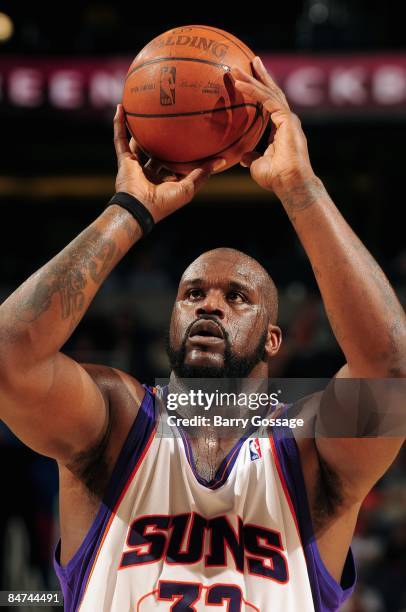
201 368
204 359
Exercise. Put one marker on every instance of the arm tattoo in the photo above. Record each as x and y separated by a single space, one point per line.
303 196
130 228
90 255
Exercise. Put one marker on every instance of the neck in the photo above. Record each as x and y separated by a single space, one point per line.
223 407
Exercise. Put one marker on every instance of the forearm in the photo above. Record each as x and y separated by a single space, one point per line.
364 313
362 308
38 318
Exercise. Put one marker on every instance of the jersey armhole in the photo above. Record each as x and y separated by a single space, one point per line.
328 594
74 575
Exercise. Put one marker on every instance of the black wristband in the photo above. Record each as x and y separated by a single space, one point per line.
136 208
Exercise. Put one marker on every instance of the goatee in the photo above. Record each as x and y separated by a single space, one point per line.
234 366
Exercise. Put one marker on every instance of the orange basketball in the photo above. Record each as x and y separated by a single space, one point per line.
180 102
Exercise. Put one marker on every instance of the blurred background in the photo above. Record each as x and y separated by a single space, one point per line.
343 67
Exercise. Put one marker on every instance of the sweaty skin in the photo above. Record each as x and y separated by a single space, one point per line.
237 291
80 414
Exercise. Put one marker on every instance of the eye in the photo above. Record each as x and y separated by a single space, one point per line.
194 294
236 297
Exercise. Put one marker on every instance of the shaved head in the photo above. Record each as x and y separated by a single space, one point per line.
246 265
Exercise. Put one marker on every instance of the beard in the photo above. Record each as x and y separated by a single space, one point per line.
234 366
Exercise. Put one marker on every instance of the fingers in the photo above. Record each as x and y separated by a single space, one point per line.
152 169
247 82
170 178
272 132
120 134
153 166
239 74
263 74
269 151
215 165
261 170
135 149
262 89
199 176
248 158
194 181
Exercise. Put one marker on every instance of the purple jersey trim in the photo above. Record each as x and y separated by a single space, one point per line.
224 468
328 594
74 575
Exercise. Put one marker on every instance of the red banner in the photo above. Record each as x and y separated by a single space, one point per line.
314 84
342 84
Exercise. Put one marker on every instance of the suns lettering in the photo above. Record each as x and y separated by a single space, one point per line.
183 539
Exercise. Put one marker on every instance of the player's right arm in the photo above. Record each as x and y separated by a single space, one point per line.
48 400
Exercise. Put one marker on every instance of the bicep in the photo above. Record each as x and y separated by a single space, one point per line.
56 408
356 430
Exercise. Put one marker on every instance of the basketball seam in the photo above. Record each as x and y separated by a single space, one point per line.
258 115
246 51
191 113
179 59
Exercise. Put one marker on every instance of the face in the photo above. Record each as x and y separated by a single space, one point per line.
219 325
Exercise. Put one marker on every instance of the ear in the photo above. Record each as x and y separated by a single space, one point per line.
273 340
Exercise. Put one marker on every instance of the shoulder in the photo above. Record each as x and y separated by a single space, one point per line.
116 386
123 395
85 480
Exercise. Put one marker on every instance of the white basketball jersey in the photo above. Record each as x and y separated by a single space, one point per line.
166 540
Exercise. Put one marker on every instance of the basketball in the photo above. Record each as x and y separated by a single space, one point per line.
180 102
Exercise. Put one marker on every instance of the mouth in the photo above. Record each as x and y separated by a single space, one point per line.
206 331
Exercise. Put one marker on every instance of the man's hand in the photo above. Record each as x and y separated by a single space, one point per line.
285 165
162 196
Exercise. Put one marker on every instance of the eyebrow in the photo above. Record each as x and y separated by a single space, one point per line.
236 286
232 285
193 282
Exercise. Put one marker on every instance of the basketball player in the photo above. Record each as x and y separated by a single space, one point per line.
145 525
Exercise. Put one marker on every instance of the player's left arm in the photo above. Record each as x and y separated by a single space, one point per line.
364 312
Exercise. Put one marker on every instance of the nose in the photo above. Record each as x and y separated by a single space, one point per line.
211 305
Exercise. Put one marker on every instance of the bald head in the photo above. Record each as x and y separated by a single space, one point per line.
241 265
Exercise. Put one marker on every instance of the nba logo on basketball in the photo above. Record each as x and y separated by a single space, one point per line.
168 80
255 449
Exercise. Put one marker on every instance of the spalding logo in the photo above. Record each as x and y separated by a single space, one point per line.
213 47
